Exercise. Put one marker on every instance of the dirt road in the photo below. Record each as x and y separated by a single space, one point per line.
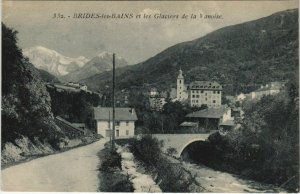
73 170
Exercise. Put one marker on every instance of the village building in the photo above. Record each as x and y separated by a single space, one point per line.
210 119
157 102
153 92
271 88
199 93
157 99
77 86
241 97
70 87
205 93
124 121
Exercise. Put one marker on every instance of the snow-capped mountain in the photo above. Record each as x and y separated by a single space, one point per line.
102 62
52 61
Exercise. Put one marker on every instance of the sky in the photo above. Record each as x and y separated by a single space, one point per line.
135 39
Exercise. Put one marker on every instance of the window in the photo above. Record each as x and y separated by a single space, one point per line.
117 123
214 101
180 81
205 98
197 96
193 96
214 92
218 92
127 123
127 132
201 91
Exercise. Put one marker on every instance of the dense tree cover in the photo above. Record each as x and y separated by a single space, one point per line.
75 107
25 101
266 148
166 120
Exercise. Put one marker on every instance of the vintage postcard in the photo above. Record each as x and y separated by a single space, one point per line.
150 96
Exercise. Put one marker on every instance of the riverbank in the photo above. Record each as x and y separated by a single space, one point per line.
221 182
166 172
222 153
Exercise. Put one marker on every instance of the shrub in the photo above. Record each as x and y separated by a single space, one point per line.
172 177
171 151
111 177
147 149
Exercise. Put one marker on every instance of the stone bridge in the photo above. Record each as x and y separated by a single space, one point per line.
179 141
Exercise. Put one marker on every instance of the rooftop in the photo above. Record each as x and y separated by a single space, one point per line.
209 113
205 85
121 114
189 124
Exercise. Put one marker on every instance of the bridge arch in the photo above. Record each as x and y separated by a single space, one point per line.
187 144
179 141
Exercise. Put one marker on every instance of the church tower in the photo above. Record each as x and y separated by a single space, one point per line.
180 86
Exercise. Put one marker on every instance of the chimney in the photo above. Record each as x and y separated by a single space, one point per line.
131 110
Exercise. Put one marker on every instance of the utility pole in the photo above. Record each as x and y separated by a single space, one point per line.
109 127
113 115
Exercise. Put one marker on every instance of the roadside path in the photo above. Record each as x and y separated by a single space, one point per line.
73 170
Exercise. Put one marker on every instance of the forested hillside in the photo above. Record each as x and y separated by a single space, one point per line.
28 127
238 56
26 109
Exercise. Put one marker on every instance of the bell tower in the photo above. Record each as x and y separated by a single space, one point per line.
180 86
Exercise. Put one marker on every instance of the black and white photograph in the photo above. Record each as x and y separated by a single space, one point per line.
150 96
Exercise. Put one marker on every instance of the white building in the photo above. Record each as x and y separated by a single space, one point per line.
271 88
241 97
153 92
157 102
124 121
199 93
205 93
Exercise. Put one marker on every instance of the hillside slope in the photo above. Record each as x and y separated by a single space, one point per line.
48 77
28 128
240 57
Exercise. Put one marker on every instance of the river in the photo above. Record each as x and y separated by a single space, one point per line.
222 182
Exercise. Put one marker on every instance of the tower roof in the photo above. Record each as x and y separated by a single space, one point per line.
180 76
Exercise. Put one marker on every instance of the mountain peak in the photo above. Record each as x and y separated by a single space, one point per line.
105 54
52 61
